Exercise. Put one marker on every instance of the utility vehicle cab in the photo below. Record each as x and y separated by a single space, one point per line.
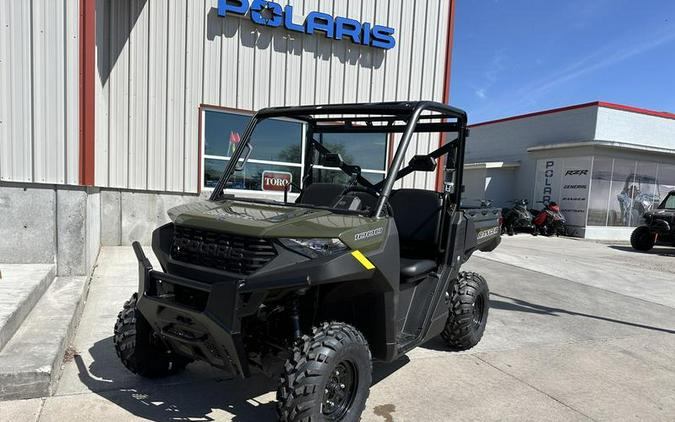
357 265
330 182
658 226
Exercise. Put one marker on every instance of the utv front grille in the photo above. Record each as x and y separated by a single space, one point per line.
222 251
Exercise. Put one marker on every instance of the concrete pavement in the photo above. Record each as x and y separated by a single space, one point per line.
615 267
556 348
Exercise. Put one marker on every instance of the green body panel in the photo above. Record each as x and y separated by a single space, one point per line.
281 221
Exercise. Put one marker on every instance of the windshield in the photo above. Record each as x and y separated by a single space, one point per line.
669 202
336 157
273 163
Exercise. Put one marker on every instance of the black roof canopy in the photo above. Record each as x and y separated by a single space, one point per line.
391 117
403 109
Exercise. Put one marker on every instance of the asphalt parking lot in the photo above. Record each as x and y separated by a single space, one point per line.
577 331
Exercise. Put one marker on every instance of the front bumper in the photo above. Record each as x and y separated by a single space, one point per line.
184 314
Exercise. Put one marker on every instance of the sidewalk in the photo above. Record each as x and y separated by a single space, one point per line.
554 349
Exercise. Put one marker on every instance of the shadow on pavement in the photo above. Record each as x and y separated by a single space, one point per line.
519 305
661 251
174 398
179 398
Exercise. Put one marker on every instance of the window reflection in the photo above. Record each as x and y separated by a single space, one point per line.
278 147
277 151
251 177
623 190
600 185
366 150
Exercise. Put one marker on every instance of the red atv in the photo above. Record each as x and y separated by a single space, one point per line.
550 221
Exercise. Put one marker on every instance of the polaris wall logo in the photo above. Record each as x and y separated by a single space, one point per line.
268 13
548 181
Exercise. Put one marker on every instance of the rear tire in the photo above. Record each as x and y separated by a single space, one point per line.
642 239
469 306
138 348
327 377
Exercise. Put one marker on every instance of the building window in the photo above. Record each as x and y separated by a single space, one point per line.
598 202
366 150
278 146
277 149
623 190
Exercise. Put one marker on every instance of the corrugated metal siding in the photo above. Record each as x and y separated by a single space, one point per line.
39 91
164 58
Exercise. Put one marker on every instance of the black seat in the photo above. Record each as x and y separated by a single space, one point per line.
413 268
417 214
321 194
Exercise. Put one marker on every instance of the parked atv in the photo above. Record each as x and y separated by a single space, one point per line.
550 221
347 274
518 219
659 227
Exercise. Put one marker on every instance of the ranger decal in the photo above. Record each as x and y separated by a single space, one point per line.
487 233
369 234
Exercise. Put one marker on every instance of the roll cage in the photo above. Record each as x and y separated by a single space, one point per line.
406 118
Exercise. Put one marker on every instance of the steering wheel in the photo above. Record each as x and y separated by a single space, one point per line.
369 191
363 189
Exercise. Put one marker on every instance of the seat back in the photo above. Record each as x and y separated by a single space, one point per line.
321 194
417 214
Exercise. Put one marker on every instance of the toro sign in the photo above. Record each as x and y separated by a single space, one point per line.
276 180
269 13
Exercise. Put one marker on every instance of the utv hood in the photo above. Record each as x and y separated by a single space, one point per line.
660 214
265 220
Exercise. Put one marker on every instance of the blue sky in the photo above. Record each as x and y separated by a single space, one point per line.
517 56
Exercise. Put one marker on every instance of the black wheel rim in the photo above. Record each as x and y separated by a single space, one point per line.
340 391
478 309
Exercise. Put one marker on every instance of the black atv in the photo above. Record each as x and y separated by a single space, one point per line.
320 287
518 219
659 227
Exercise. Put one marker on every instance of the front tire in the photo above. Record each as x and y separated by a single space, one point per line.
469 306
327 377
138 348
642 239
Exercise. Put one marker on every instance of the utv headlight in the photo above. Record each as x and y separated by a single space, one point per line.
314 248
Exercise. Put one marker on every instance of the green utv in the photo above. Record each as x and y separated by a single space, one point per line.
349 272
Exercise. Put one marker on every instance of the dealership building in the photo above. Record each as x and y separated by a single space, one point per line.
114 111
605 164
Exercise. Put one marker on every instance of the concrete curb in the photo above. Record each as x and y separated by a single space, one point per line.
32 361
20 290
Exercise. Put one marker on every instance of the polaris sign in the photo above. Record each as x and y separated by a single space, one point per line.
268 13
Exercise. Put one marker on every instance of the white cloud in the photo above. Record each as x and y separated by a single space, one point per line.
602 58
491 74
529 94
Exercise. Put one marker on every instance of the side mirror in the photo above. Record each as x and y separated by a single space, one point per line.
332 160
422 163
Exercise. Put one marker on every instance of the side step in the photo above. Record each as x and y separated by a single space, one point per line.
21 287
31 361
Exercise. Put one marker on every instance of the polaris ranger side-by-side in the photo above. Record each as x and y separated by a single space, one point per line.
347 273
